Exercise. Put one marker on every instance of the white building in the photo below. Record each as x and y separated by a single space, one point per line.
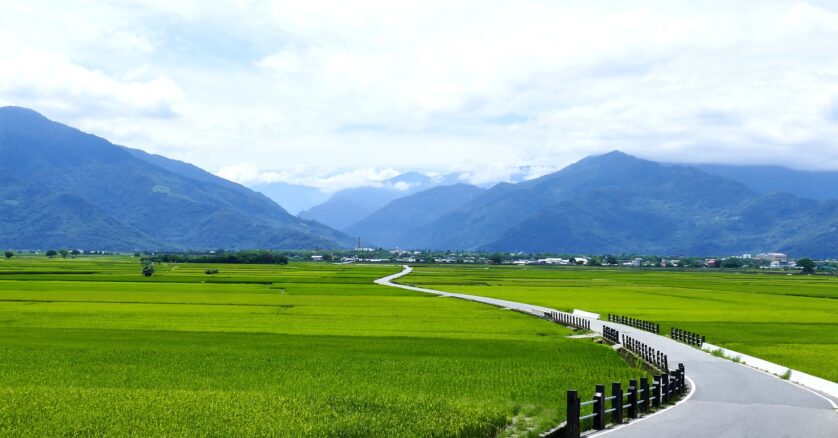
773 257
553 261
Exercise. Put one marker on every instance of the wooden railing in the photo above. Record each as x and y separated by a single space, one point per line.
640 398
686 337
610 334
569 320
649 355
636 323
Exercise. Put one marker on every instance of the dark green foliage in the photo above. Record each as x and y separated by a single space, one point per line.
496 259
59 186
211 271
148 267
732 262
807 265
51 253
63 253
9 254
253 257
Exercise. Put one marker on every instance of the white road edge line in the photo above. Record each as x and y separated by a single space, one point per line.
829 400
692 390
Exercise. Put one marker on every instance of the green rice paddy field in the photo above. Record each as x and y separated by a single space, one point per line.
90 347
790 320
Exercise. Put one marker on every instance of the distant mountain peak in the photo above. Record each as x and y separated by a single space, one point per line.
615 153
11 109
615 156
410 178
17 115
102 195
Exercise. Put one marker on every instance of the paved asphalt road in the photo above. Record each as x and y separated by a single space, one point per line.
729 399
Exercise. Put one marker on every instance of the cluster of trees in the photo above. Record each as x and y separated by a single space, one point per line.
62 252
148 267
806 265
9 254
263 257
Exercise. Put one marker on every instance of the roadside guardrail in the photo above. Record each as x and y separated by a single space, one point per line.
639 399
569 320
686 337
648 326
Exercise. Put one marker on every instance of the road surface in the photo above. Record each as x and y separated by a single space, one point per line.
728 399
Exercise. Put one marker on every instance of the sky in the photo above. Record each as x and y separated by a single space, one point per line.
337 94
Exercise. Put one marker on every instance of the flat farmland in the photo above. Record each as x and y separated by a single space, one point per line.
789 320
90 347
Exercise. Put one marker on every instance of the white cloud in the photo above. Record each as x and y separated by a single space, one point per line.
303 89
55 85
249 174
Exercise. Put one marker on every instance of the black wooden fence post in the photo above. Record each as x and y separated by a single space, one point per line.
572 427
617 403
656 392
665 388
644 386
599 407
675 382
632 401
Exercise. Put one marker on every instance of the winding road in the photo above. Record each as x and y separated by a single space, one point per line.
727 399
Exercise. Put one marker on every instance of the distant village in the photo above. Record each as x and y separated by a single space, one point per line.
763 261
771 261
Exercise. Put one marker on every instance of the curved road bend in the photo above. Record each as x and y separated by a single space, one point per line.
729 399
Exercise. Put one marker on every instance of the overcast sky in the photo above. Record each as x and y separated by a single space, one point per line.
303 90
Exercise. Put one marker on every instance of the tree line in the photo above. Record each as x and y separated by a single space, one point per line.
263 257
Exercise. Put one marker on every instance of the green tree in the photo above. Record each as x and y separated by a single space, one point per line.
496 259
75 252
610 260
732 262
63 253
52 253
9 254
807 266
148 267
